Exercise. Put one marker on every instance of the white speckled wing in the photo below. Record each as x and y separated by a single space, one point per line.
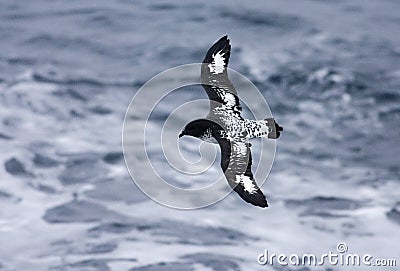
214 76
236 162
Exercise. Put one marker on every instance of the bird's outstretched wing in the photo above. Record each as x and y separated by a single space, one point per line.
214 76
236 162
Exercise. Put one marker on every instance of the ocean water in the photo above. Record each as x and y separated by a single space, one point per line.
68 70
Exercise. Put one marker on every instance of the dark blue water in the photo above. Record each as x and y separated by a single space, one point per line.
68 70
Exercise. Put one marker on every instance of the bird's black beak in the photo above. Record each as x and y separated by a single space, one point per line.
181 134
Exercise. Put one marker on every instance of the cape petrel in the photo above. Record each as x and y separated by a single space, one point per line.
225 125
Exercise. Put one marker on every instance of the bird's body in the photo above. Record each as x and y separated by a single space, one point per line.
225 125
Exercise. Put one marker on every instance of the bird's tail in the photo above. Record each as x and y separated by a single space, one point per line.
263 128
274 130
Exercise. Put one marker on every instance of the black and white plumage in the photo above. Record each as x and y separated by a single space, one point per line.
225 125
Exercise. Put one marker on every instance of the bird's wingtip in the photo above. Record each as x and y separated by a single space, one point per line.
223 39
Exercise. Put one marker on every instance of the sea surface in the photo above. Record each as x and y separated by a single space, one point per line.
330 71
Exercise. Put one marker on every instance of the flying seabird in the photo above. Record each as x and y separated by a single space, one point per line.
225 125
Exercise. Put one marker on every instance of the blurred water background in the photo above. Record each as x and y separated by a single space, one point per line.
68 70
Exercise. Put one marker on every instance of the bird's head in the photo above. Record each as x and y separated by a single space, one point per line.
197 128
